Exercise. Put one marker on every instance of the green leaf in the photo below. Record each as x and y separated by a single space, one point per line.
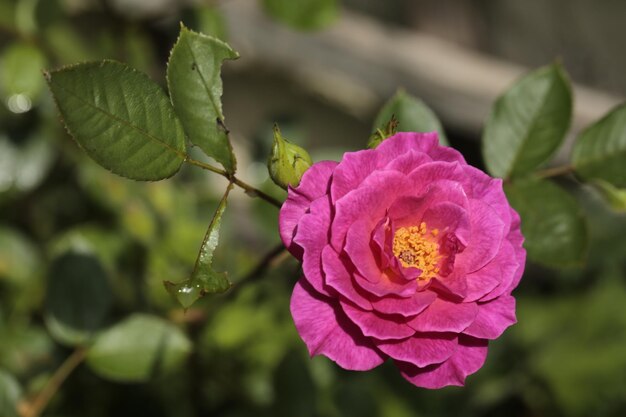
303 14
528 123
121 118
600 150
552 222
615 197
20 79
137 349
413 116
193 78
78 298
10 394
204 279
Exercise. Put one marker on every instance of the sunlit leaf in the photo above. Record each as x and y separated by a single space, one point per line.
413 115
23 167
20 78
528 123
600 150
195 85
121 118
78 298
552 222
204 279
303 14
137 349
10 394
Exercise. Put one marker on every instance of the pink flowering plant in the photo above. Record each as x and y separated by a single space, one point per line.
408 253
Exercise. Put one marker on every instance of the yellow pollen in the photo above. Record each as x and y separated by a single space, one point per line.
416 246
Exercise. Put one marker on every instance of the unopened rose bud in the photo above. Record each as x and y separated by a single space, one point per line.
383 132
287 162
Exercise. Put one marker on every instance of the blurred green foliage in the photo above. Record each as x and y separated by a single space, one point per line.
74 238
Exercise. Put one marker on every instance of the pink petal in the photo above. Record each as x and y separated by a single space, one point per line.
468 358
326 331
481 186
375 325
312 236
389 284
486 237
408 210
338 278
455 284
403 142
352 170
406 307
314 184
493 318
359 248
501 269
449 218
370 201
422 349
508 264
445 316
423 176
406 163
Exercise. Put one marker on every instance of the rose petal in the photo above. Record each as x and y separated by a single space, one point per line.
359 248
389 284
326 331
481 186
501 270
486 237
408 210
352 170
408 162
375 325
445 316
422 349
338 278
370 201
493 318
314 184
312 237
449 218
468 358
508 265
406 307
403 142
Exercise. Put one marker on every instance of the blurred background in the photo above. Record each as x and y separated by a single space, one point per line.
322 73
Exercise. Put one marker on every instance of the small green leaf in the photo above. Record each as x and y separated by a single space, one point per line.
193 78
121 118
137 349
20 78
552 222
614 197
78 298
600 150
303 14
413 115
528 123
10 394
204 279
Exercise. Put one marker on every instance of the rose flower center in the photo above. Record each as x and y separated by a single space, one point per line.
417 247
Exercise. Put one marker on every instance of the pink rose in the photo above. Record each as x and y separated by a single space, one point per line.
408 253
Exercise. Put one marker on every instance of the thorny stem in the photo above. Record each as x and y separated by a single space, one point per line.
273 257
250 190
40 402
555 171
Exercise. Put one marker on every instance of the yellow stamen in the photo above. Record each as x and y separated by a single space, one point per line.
415 246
